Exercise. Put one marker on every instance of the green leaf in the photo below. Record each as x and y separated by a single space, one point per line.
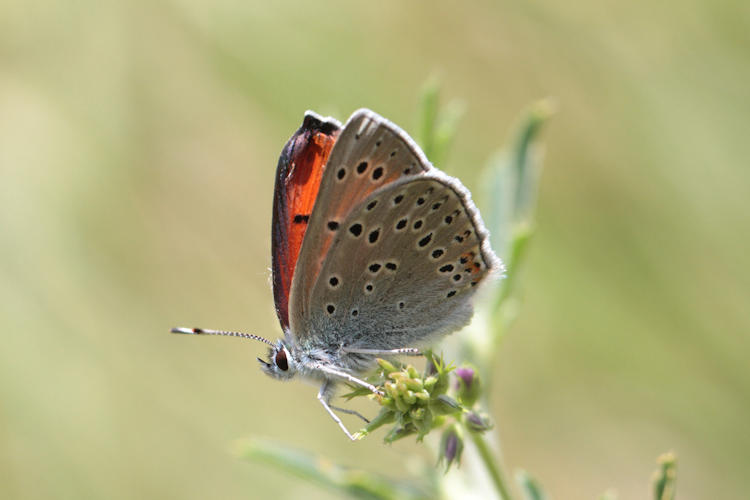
519 242
428 112
353 482
445 131
512 178
526 166
437 128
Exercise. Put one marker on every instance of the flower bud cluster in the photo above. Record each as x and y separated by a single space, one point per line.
417 403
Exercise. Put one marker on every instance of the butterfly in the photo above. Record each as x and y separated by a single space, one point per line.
375 253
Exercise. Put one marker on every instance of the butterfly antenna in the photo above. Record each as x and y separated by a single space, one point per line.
224 333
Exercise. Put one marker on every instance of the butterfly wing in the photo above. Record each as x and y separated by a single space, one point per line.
368 269
369 153
298 175
404 266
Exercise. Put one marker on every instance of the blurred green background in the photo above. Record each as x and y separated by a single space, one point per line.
138 143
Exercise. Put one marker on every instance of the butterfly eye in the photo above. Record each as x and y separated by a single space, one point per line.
281 361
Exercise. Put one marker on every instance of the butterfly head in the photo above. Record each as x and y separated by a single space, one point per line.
280 364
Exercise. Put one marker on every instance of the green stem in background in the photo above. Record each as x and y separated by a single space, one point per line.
492 464
530 487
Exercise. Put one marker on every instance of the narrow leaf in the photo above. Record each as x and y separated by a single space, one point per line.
353 482
665 477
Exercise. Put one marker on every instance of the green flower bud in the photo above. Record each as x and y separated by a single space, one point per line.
387 366
401 387
414 384
441 387
417 414
409 397
422 395
390 389
402 405
430 382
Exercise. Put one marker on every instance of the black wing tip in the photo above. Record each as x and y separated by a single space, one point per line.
314 122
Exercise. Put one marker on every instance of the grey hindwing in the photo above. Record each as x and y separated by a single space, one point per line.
403 267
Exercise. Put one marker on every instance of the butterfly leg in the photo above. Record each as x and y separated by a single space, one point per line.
349 378
350 412
322 398
407 351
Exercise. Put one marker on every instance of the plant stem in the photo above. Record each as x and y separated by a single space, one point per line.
492 464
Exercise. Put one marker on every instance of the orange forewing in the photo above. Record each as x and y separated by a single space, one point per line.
298 176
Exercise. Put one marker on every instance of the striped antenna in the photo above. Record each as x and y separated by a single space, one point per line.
202 331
